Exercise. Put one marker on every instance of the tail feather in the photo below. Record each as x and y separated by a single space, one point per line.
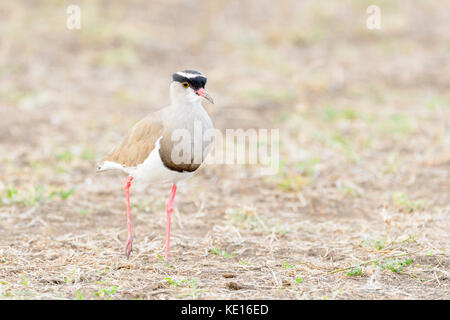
108 165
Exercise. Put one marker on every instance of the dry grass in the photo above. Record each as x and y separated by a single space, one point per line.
359 209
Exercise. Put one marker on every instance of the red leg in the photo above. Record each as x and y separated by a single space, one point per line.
169 207
129 245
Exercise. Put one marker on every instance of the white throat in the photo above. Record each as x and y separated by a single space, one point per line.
182 98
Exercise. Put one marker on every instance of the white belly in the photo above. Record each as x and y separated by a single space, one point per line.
152 170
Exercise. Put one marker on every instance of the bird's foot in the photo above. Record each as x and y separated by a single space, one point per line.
129 247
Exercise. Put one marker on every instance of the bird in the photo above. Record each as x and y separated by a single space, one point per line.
163 147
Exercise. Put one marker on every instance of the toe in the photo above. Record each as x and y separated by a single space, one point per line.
129 248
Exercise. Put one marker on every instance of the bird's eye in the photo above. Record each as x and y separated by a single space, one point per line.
185 85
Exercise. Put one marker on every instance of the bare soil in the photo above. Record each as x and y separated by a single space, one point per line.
358 210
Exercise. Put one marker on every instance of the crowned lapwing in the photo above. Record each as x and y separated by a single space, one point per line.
163 147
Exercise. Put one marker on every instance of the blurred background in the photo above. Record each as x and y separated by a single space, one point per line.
364 121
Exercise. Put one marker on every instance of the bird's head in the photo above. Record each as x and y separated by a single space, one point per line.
188 86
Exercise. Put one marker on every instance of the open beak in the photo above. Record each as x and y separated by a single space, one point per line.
202 93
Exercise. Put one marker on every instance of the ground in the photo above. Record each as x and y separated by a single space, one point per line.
359 208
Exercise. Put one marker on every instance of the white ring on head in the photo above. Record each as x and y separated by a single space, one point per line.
190 75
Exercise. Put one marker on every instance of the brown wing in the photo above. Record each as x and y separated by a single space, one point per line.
136 147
